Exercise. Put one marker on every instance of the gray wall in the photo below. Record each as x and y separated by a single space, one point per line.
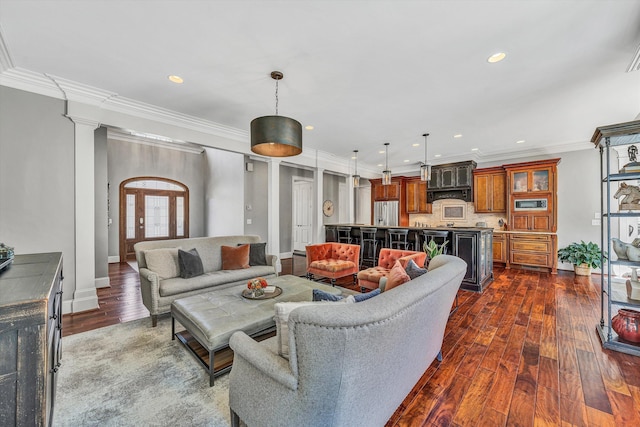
37 178
101 205
256 198
286 207
128 160
223 192
331 191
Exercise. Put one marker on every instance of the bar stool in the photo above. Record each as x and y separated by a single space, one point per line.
398 238
368 246
330 234
439 236
344 234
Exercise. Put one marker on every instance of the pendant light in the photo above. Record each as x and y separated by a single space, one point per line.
425 168
386 173
356 177
276 136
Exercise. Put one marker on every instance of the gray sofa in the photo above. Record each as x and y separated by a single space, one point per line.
349 364
159 293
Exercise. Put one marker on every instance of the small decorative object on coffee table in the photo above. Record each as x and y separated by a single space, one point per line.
258 288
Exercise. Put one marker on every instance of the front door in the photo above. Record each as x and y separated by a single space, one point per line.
151 209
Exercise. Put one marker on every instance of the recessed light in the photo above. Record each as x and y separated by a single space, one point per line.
437 155
406 161
308 127
176 79
474 149
381 152
520 142
415 145
457 135
380 165
496 57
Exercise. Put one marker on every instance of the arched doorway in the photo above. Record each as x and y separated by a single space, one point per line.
151 208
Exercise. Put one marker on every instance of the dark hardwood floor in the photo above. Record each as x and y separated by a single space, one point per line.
523 353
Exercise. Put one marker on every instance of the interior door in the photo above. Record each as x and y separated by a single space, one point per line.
302 214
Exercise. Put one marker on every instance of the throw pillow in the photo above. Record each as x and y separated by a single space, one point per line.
319 295
163 262
235 258
396 277
257 253
413 270
190 263
283 309
366 296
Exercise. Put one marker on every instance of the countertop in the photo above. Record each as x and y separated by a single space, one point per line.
454 228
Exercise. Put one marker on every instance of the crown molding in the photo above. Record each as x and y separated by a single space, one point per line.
635 62
29 81
5 57
186 147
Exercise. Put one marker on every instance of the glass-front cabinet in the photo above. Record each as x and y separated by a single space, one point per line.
531 181
620 296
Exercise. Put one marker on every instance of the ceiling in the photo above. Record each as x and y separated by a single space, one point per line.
361 72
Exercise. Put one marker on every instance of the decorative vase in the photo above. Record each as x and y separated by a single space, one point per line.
627 325
582 270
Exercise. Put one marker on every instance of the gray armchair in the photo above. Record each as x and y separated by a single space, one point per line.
343 356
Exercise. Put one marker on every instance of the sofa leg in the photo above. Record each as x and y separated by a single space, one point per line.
362 289
154 320
235 419
355 278
439 356
309 276
333 282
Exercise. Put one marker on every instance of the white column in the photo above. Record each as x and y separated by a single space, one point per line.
85 296
318 217
352 201
273 210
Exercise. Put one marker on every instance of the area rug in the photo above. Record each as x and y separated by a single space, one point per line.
131 374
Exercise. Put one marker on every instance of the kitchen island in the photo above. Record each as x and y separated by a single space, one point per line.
473 244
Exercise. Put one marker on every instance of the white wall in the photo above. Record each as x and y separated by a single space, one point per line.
224 186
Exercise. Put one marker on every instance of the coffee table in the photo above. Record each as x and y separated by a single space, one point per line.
211 318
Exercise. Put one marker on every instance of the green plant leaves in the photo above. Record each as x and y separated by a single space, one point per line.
582 253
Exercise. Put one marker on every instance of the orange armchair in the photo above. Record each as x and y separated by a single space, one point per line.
333 260
370 278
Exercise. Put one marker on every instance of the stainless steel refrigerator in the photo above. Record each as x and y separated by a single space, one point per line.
386 213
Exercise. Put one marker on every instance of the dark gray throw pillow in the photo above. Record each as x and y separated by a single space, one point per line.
190 263
413 270
257 253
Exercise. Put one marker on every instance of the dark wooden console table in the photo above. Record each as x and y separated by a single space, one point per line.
30 337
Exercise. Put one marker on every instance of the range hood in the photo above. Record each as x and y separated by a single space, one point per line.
451 181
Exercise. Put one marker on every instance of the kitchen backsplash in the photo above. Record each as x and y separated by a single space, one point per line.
448 211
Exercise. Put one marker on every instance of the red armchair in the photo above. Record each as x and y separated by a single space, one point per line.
370 278
333 261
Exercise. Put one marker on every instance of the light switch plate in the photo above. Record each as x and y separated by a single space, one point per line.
595 222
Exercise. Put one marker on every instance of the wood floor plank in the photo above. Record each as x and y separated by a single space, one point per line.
470 408
547 412
532 333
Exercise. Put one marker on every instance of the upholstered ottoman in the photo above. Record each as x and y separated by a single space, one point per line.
211 318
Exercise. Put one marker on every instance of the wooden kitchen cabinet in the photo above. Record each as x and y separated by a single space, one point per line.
500 246
534 249
532 195
385 192
490 190
417 196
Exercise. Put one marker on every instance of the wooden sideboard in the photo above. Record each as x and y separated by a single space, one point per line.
30 338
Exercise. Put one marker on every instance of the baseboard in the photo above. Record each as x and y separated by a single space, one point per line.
285 255
66 307
113 259
84 299
103 282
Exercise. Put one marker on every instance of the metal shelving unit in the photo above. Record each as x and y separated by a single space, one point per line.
605 138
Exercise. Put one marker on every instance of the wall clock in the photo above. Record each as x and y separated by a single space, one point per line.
327 208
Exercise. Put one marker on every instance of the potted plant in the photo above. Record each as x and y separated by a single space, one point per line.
583 256
433 249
